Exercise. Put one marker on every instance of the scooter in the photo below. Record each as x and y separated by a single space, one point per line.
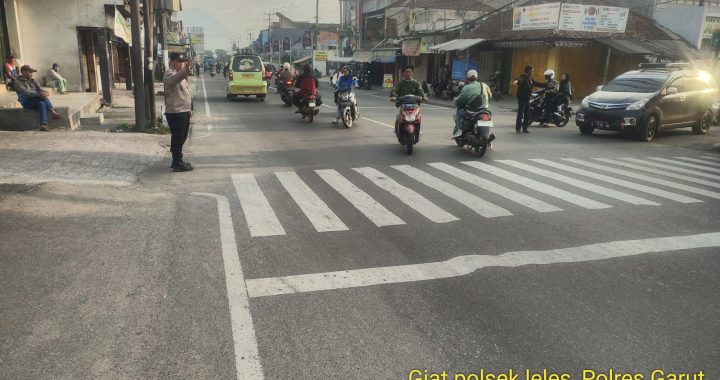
407 123
495 85
349 112
286 92
477 131
537 110
212 73
308 107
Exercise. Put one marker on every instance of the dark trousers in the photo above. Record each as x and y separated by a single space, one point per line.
43 106
523 115
179 129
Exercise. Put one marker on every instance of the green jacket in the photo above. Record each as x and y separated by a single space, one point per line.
407 87
473 97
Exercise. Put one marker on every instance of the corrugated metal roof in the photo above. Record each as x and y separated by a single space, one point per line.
458 44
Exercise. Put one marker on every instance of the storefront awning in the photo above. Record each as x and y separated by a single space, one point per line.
458 44
668 48
341 59
629 46
302 60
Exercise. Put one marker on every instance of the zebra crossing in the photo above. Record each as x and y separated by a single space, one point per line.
570 183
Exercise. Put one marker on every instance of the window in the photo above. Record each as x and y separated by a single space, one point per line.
679 84
247 64
639 83
697 84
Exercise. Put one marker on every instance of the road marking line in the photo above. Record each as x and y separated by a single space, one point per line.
674 185
314 208
410 197
260 217
619 182
539 186
656 171
705 162
373 210
207 105
247 357
673 168
686 164
464 265
525 200
714 158
377 122
625 197
475 203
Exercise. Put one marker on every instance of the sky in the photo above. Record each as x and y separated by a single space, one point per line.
227 20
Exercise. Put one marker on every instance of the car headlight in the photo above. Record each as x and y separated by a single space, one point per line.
637 105
410 117
585 102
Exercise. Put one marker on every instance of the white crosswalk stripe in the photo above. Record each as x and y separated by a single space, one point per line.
522 199
475 203
673 168
411 198
373 210
319 214
713 158
260 217
657 171
539 186
619 182
638 176
582 184
704 162
686 164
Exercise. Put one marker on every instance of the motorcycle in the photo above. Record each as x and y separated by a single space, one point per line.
407 123
495 85
286 92
477 131
349 112
308 107
538 106
212 73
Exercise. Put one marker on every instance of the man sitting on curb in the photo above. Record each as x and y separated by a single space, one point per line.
32 96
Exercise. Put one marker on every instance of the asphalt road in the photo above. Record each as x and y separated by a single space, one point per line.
311 251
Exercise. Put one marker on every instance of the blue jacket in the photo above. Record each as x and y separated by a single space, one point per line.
345 83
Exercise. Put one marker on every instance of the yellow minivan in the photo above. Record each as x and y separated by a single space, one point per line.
246 76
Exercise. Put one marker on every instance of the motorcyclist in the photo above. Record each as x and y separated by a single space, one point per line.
308 85
286 75
345 82
474 97
552 89
407 85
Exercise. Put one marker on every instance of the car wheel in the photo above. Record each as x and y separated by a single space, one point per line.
649 130
703 125
586 130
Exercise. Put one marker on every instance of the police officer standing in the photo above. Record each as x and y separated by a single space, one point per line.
178 108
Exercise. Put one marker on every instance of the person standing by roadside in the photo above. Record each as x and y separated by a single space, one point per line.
525 85
178 108
32 96
565 93
10 72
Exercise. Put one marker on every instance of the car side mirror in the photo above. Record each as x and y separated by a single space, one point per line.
671 91
599 88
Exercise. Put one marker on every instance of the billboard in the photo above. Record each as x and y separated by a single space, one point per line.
593 18
411 47
286 43
533 17
275 45
307 40
320 56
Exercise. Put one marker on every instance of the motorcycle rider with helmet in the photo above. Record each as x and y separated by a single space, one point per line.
474 97
345 82
286 75
551 93
308 85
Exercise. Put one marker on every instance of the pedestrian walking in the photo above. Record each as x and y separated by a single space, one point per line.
525 85
178 108
32 96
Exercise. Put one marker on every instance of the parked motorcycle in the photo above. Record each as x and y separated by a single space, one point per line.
477 131
407 123
349 111
286 92
308 107
560 117
495 84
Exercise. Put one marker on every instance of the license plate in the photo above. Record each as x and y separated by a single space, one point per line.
601 124
311 104
485 123
247 76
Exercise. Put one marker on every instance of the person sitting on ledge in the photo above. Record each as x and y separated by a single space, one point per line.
55 80
32 96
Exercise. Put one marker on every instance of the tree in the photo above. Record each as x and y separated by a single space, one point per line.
222 55
209 54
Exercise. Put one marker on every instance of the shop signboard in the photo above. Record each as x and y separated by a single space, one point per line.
533 17
388 81
320 55
712 25
593 18
460 69
411 47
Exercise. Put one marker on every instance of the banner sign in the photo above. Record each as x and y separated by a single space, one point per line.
543 16
388 81
307 40
459 69
286 43
593 18
712 25
122 28
275 45
411 47
320 55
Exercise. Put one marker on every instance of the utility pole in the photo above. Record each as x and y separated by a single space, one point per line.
317 21
163 42
269 16
149 82
137 67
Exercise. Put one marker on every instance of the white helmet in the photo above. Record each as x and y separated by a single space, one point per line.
549 74
472 74
286 66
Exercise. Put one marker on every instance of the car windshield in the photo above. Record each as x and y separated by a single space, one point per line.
636 83
247 64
